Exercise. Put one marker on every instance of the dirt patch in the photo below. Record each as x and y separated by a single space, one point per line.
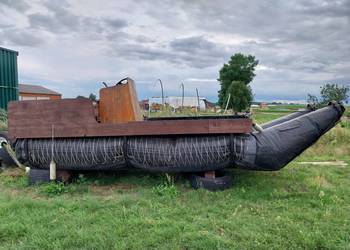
321 181
12 172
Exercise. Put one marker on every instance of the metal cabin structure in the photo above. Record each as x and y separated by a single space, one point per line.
8 77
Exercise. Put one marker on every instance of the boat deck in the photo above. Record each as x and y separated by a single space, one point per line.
77 118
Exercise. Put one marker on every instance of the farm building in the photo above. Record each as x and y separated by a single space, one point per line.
37 92
176 102
210 106
263 105
144 104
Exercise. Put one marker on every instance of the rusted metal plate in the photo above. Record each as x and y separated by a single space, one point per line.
119 103
48 112
76 118
172 127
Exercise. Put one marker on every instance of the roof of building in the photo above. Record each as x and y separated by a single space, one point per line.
209 104
36 89
10 50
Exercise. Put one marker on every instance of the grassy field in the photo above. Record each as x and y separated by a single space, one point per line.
306 205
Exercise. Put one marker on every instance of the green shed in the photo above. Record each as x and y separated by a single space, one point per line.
8 77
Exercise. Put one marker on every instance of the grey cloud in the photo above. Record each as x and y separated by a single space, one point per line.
44 22
192 44
199 52
21 38
144 39
62 22
56 5
278 26
282 20
121 36
116 23
5 26
304 36
91 25
296 40
66 24
60 19
327 8
19 5
195 52
138 51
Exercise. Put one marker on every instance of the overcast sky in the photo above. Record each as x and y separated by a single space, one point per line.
72 46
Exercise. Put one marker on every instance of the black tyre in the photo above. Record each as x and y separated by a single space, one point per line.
220 182
37 176
5 159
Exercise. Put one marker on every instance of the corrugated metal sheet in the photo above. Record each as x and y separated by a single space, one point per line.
8 77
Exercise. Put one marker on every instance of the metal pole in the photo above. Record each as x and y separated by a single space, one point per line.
161 86
228 101
183 95
199 107
52 163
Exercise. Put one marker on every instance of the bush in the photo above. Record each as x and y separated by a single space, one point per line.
168 188
54 188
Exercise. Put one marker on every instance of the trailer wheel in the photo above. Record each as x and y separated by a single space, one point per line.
37 176
220 182
5 159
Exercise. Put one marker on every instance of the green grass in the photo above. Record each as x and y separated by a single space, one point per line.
299 207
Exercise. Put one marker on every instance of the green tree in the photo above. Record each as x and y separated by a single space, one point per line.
334 92
240 68
330 92
92 97
312 99
240 96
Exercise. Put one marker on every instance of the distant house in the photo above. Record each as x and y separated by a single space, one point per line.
144 105
37 92
263 105
210 105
